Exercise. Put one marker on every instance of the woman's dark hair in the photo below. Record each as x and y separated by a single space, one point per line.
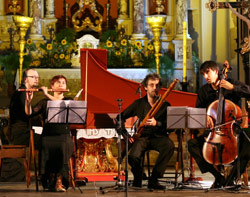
152 76
56 78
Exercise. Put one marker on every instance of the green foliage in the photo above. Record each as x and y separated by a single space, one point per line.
111 35
9 60
166 68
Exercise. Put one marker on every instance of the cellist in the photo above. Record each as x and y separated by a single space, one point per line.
234 90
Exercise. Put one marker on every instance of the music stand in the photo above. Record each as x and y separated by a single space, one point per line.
67 112
186 118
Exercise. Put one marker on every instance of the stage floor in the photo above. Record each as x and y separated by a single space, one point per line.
93 189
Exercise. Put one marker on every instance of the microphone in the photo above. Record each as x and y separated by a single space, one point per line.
139 90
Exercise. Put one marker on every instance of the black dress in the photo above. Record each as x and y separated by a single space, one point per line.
57 148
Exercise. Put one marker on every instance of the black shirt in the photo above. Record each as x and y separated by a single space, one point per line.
207 94
140 108
17 108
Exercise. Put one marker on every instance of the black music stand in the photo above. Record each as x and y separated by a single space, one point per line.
67 112
186 118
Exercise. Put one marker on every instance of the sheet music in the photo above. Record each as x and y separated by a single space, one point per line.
186 117
67 111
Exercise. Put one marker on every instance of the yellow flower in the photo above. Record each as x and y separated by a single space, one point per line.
66 57
118 53
139 47
138 44
150 47
63 42
62 56
109 44
49 47
56 56
124 42
29 41
36 63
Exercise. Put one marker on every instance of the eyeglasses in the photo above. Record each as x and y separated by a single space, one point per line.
33 77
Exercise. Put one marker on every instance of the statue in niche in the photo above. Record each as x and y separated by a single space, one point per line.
138 16
123 7
36 14
180 15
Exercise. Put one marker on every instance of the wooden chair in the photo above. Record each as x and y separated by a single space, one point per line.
20 151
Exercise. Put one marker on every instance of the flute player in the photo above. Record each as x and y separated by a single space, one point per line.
19 122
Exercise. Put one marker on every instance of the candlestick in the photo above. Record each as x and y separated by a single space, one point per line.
184 51
22 23
156 24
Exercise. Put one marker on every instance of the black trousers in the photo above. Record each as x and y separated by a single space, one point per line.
162 144
55 154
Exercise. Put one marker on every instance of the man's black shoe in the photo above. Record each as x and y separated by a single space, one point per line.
137 183
155 185
218 183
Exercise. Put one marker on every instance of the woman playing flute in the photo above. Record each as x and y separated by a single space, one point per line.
57 144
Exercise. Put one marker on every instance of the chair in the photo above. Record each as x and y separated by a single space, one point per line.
19 151
179 165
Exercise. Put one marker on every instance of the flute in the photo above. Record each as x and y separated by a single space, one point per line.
39 89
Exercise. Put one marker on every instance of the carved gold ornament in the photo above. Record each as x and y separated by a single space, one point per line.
81 23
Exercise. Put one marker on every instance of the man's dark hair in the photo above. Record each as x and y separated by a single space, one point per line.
208 65
152 76
56 78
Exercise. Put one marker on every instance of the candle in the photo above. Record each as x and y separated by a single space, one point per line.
184 51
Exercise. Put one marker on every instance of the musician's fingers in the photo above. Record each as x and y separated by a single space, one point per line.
210 123
131 140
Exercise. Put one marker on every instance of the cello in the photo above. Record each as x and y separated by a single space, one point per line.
220 147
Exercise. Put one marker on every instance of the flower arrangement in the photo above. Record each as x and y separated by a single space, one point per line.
124 53
54 53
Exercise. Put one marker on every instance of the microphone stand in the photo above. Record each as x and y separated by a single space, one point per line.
119 184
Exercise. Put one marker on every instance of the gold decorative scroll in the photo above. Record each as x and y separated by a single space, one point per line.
81 23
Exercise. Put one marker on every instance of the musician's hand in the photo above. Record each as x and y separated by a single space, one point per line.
29 97
227 85
131 140
45 90
210 122
150 122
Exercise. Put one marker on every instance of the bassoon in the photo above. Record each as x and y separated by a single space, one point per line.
155 108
